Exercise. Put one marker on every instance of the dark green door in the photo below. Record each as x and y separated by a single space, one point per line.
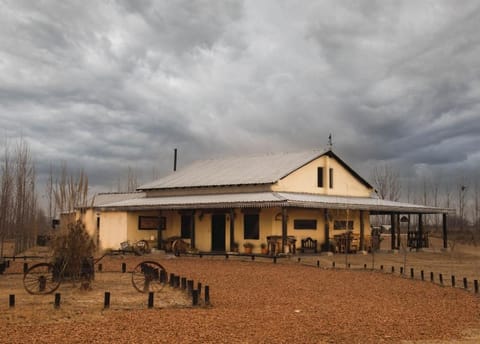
218 232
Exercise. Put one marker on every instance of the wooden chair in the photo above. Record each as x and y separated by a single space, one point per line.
309 244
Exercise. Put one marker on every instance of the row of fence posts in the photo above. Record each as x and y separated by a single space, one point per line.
175 281
422 276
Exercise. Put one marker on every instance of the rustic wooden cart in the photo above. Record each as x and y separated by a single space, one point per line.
45 278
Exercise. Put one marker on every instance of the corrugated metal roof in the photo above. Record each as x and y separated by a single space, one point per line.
106 198
259 169
271 199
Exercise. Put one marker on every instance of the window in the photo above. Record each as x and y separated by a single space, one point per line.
320 177
186 226
305 224
331 177
251 226
152 222
342 224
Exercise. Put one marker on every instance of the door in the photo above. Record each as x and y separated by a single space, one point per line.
218 232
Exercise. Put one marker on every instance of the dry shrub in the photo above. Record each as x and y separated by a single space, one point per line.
73 252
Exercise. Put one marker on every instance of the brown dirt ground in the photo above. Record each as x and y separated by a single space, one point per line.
259 302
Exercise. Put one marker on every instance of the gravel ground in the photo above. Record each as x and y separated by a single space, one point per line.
260 302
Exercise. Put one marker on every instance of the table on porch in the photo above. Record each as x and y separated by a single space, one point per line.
274 243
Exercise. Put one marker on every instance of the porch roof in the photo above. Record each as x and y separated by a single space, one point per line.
268 200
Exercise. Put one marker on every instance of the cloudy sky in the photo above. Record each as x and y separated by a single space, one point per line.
104 85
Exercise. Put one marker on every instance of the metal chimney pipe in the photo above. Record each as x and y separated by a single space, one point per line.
174 160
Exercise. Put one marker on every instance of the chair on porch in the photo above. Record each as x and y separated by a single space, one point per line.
308 244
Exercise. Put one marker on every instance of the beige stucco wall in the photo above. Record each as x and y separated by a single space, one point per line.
305 180
116 227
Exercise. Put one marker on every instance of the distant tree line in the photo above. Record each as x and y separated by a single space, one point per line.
463 195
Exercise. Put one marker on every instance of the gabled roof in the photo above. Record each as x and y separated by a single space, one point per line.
247 170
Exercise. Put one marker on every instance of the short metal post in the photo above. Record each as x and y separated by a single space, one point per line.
150 299
189 287
207 295
106 300
57 300
194 297
11 301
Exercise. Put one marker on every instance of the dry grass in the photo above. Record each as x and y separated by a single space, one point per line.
253 302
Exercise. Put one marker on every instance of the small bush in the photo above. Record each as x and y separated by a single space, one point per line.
73 252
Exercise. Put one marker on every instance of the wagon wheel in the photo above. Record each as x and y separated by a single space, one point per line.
146 277
40 279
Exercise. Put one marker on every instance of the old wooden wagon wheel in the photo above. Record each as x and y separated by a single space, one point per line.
41 279
146 277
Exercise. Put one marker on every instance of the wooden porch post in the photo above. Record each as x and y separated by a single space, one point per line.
326 231
160 243
232 230
284 229
192 230
397 226
392 231
362 232
420 231
444 218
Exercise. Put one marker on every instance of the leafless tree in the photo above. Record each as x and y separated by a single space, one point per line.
70 191
387 182
18 202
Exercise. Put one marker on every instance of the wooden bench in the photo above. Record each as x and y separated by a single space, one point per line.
309 244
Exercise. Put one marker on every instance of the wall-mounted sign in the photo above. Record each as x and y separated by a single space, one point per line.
152 222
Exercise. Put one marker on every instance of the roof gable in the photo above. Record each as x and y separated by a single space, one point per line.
246 170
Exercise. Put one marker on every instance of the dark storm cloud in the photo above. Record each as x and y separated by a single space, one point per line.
107 85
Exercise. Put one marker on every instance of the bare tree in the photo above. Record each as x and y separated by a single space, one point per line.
70 191
18 202
387 182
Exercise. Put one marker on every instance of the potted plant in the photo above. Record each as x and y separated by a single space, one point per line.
248 247
264 248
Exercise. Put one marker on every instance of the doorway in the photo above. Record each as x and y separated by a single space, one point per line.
218 232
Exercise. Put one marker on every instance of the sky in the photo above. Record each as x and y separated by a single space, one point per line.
108 85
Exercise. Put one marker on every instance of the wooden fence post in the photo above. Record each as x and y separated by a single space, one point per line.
124 267
11 301
56 305
475 286
150 299
106 300
194 297
453 281
207 295
465 283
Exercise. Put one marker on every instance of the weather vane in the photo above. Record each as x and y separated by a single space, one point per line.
330 142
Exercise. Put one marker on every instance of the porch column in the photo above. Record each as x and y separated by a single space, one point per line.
362 232
160 244
326 231
232 230
420 231
444 234
192 230
397 226
392 231
284 229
